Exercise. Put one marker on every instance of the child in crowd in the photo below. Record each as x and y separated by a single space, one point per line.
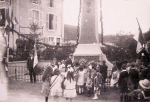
62 66
115 78
89 79
80 81
76 66
122 82
98 79
70 85
46 78
55 87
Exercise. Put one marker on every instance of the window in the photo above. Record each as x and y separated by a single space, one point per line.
51 40
58 41
45 40
51 21
51 3
2 17
34 17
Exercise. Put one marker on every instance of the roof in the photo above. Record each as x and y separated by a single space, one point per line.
88 49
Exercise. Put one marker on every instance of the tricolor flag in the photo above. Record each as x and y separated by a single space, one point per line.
140 40
35 62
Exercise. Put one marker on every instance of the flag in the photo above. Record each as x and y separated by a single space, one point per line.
35 62
140 40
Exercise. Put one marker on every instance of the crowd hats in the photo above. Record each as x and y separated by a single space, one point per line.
145 84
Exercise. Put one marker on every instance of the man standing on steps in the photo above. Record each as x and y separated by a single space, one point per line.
30 61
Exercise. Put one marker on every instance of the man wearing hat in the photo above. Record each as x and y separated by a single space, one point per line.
69 61
144 88
142 92
30 61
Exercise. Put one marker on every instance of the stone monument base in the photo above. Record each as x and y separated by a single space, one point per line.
90 52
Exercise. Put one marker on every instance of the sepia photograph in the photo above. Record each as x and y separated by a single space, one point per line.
74 50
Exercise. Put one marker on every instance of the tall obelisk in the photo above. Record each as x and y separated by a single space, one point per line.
89 22
89 47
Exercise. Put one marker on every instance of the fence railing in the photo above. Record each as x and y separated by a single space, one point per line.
20 72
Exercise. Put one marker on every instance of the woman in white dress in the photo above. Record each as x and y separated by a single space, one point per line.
70 86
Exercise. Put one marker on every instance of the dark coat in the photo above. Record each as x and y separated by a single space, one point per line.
134 75
69 61
103 70
145 74
122 82
30 63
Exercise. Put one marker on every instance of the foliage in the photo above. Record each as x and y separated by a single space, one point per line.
60 52
125 49
25 44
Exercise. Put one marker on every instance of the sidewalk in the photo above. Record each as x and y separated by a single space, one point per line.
19 91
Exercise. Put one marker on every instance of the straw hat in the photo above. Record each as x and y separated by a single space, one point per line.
145 84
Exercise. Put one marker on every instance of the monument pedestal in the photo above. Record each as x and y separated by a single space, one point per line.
91 52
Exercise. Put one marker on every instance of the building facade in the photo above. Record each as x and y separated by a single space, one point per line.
47 14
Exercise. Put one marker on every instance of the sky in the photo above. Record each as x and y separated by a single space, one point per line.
118 15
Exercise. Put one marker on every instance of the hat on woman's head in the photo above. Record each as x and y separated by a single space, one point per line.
56 71
145 84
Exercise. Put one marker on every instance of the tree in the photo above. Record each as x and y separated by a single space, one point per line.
25 44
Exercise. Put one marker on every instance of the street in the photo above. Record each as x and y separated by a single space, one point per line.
20 91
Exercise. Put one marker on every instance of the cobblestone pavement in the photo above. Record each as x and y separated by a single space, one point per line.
19 91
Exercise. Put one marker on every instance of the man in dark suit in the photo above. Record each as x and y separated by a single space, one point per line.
134 76
103 71
69 61
30 62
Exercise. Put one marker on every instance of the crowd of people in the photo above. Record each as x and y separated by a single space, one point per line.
132 79
65 77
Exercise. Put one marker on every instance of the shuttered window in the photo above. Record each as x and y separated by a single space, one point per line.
51 21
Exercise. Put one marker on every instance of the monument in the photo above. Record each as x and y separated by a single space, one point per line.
89 46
